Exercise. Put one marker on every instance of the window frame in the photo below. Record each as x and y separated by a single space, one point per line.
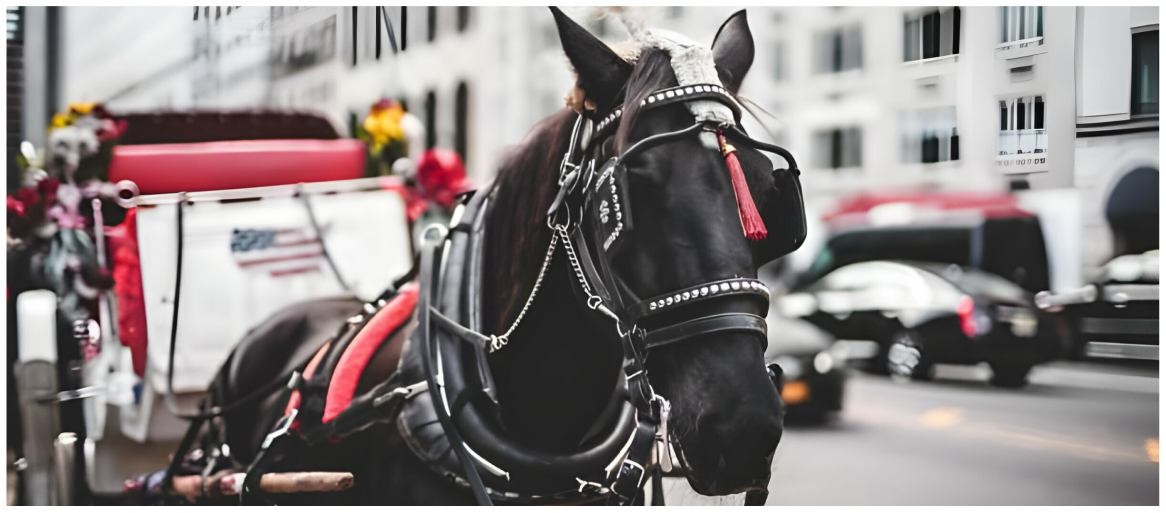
831 45
1015 19
1021 114
839 155
1135 77
918 18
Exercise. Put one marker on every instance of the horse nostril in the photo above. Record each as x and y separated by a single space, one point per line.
775 375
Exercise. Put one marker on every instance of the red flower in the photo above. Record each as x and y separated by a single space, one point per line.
28 196
442 176
384 104
48 189
15 206
111 129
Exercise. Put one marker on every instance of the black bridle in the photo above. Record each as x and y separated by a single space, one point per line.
580 191
590 215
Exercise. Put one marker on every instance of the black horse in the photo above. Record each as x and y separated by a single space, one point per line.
555 376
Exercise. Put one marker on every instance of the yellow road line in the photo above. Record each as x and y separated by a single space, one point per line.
942 417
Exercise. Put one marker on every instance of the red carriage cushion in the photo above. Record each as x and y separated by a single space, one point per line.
208 166
345 378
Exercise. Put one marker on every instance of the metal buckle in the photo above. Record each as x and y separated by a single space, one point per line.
591 488
566 166
663 446
441 230
281 428
559 227
628 469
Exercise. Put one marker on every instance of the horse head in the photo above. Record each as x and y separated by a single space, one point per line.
726 414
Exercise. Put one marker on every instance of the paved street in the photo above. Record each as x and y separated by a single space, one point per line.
1080 434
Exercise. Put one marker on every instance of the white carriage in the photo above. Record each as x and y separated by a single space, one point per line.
246 253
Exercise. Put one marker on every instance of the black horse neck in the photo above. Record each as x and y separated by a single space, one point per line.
558 373
559 370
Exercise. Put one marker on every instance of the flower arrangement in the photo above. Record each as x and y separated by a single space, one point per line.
383 129
93 114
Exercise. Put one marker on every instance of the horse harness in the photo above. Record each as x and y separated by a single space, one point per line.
442 396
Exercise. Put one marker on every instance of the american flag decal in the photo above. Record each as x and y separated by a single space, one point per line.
277 252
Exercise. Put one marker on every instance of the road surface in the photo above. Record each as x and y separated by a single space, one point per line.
1080 434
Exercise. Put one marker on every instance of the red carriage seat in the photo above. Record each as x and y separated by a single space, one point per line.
208 166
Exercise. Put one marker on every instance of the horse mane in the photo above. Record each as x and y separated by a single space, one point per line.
524 188
522 192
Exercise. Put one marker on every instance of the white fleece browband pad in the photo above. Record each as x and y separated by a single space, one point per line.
693 64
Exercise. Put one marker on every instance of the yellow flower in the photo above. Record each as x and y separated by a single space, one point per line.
82 108
383 123
61 120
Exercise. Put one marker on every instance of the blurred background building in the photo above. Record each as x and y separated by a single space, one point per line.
1058 104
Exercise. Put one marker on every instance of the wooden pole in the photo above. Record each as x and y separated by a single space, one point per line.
231 483
292 482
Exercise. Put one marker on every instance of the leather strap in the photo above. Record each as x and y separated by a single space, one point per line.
720 323
630 476
772 148
695 294
673 95
658 139
460 331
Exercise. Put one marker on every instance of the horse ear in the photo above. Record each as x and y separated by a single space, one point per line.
733 51
601 72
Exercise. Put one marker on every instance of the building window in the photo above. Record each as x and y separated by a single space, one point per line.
430 120
1022 126
839 50
778 61
463 18
1018 23
461 115
15 24
930 135
931 33
1144 93
431 29
837 148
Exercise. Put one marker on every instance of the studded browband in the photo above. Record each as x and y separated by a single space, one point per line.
672 95
696 294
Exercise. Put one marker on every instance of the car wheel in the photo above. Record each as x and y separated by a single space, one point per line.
1010 375
905 358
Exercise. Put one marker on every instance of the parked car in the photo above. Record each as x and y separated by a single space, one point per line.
923 313
813 376
987 231
1117 316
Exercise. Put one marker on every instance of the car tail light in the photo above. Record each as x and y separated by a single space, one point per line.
966 309
973 321
795 392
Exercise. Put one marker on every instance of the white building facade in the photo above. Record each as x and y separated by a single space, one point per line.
1056 103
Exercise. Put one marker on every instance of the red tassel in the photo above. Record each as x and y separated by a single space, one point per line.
750 218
